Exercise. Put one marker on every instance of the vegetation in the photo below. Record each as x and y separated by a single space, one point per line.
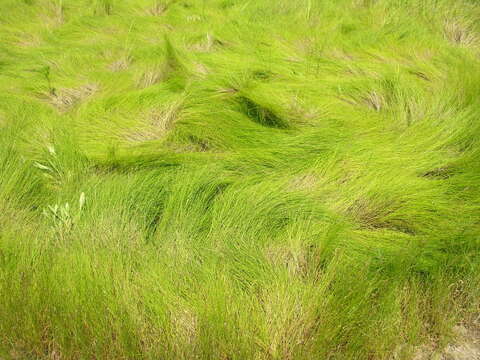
237 179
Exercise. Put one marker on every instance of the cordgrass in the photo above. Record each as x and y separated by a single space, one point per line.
220 179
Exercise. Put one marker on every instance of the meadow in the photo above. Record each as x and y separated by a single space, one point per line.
239 179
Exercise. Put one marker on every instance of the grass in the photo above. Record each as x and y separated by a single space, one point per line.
226 179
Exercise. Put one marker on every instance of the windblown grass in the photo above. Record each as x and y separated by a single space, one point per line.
219 179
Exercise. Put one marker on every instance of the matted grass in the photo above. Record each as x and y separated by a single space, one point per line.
220 179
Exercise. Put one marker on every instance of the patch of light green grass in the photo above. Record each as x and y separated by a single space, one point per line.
226 179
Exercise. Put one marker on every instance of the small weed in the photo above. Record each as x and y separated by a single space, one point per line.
63 218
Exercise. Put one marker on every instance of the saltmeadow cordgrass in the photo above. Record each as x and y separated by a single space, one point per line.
220 179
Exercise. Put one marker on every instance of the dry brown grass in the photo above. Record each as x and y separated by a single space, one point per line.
375 100
459 33
122 63
184 326
208 44
367 213
159 122
294 260
157 9
372 99
201 69
150 77
301 112
66 99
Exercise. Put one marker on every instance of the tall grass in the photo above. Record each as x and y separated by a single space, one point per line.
238 179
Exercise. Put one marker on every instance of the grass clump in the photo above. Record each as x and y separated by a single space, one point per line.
239 179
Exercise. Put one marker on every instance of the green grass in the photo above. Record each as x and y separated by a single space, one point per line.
220 179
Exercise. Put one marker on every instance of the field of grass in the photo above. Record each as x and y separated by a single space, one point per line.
239 179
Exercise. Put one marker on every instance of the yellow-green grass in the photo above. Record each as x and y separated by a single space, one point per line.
238 179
